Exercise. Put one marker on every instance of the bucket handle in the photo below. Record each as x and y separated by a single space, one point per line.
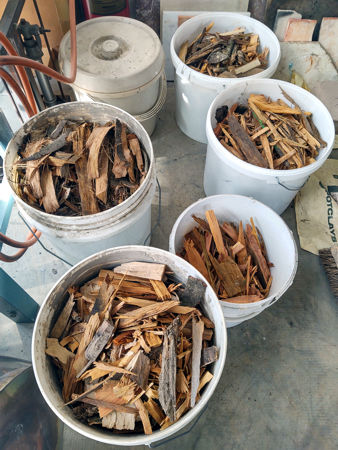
291 188
165 441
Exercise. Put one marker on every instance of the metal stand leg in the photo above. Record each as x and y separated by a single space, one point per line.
15 303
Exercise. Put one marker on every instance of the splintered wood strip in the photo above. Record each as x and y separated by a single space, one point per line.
216 232
144 416
195 258
141 302
205 379
62 320
267 150
57 351
146 312
109 405
140 366
257 254
120 166
160 290
197 336
154 410
149 271
119 420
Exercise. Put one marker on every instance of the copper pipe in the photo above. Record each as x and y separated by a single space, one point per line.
29 240
16 88
17 244
7 60
5 42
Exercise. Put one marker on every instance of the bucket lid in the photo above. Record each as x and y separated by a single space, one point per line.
115 54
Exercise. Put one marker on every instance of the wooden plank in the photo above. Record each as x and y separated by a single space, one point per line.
249 66
150 271
197 336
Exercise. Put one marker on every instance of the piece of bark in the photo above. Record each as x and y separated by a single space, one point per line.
62 320
167 378
194 258
88 201
48 148
193 293
94 144
183 51
49 200
101 183
197 336
209 355
140 365
257 254
56 350
144 416
120 165
230 275
150 271
119 420
134 145
127 154
97 344
247 147
32 172
216 232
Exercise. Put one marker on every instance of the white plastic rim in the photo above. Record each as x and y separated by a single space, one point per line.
280 244
86 269
225 173
196 91
96 231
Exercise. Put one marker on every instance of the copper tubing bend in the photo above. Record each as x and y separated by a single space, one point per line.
4 41
30 240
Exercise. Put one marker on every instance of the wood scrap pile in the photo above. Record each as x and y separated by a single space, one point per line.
269 134
232 259
132 348
232 54
74 169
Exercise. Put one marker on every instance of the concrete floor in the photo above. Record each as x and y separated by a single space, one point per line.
279 389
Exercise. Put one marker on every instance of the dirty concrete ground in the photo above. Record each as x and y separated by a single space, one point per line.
279 387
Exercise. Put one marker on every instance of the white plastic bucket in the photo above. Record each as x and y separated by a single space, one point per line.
148 119
120 62
43 368
78 237
195 91
224 173
279 242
